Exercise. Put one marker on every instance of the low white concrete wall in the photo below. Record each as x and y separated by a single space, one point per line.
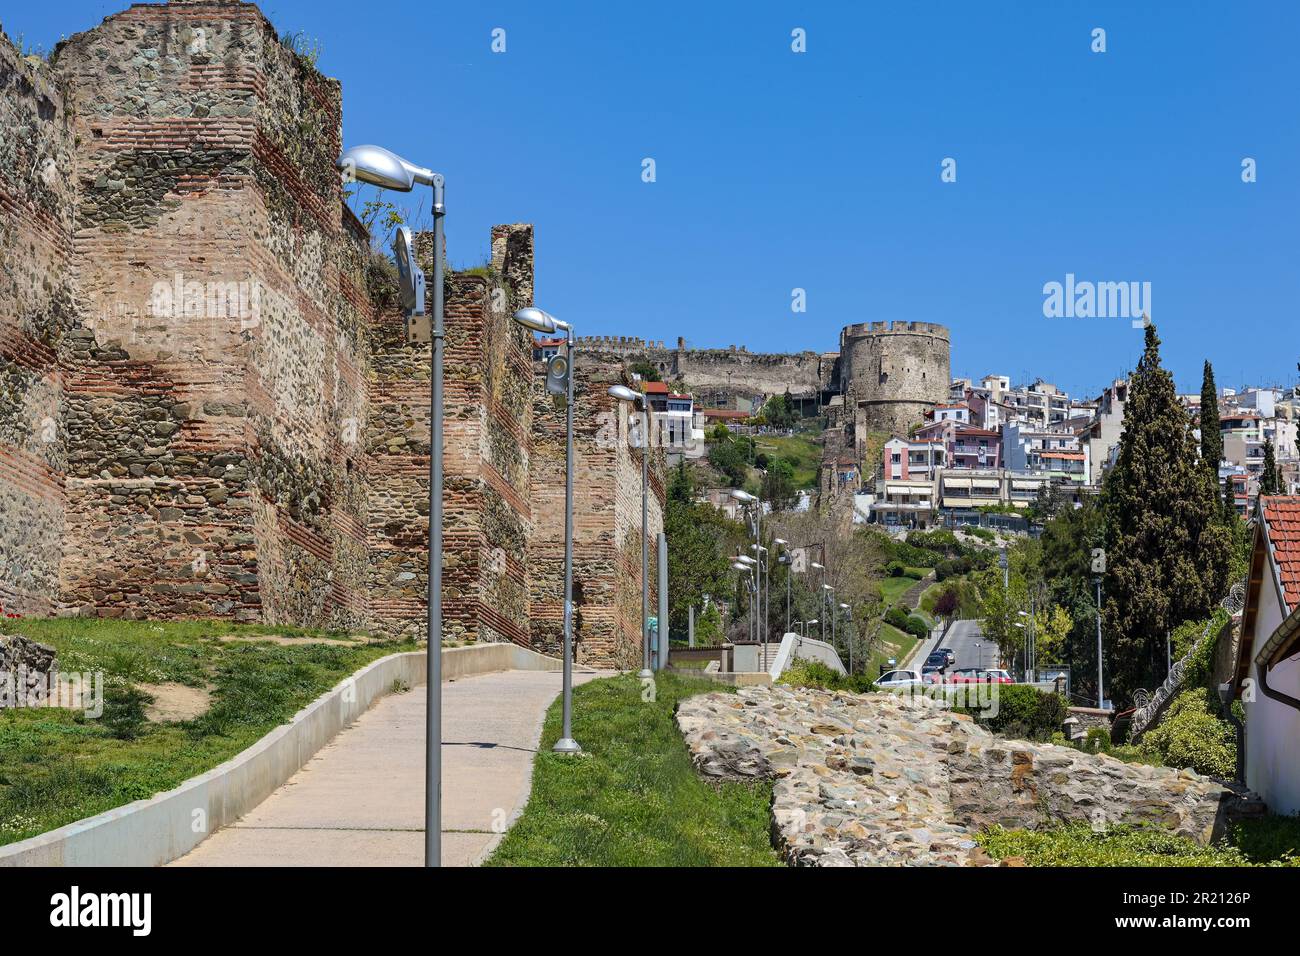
807 648
167 826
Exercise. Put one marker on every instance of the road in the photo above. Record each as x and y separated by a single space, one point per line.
967 643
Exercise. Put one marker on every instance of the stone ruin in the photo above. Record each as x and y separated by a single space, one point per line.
880 779
25 669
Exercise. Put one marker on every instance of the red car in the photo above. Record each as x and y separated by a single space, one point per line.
976 675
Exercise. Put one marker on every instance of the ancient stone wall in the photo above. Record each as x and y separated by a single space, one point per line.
895 371
607 524
208 402
717 376
37 308
214 393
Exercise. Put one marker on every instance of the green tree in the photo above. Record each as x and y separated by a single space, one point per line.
699 539
1270 483
708 628
1167 549
1000 607
1211 436
732 456
647 371
778 484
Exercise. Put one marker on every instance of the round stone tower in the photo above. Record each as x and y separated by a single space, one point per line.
894 372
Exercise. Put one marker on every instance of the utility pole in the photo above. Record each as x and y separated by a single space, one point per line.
1099 569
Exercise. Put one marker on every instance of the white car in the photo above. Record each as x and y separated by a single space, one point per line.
892 679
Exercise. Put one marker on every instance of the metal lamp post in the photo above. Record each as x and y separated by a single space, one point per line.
538 321
788 561
638 401
379 167
741 566
822 598
764 590
828 595
848 612
746 563
748 500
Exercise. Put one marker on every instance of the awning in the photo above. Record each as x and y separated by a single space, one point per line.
961 483
982 485
1026 485
906 490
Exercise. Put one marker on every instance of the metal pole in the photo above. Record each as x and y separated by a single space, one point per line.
664 635
645 540
789 570
566 744
823 600
1101 696
433 647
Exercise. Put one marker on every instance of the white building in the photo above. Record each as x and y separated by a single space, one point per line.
1267 667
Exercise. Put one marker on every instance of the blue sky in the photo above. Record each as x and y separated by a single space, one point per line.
821 170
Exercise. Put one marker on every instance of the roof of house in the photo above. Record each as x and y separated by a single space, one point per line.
544 343
978 433
1282 521
1067 455
655 388
723 413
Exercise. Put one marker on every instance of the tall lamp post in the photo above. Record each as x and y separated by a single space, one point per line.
746 563
822 598
379 167
788 561
848 612
747 500
828 596
538 321
637 401
765 588
749 588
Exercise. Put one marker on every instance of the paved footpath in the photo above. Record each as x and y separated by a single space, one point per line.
360 800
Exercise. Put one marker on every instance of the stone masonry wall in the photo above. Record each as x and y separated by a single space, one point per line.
37 308
607 525
214 392
895 371
208 404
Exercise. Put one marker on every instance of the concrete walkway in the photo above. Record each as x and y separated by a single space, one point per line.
360 800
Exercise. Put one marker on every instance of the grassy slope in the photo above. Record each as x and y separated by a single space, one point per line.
634 799
804 454
1273 841
58 766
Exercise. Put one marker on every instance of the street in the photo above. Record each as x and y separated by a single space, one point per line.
967 643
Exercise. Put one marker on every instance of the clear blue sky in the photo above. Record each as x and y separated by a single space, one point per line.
821 170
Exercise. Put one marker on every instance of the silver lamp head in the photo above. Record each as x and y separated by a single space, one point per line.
536 319
746 560
781 541
819 567
744 497
740 567
827 587
379 167
625 394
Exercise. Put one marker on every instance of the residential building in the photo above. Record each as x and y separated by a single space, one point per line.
546 348
1266 672
1103 434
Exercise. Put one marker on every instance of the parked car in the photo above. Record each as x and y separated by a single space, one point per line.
947 652
980 675
937 660
892 679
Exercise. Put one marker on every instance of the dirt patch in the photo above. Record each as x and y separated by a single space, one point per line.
175 702
287 641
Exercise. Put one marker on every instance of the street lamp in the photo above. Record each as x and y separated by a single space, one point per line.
765 588
786 559
747 500
637 401
740 564
822 569
538 321
379 167
828 595
848 612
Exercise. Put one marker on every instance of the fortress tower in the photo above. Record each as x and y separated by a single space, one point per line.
891 373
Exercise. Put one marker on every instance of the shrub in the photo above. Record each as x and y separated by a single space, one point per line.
1192 735
897 616
802 673
1026 712
917 627
895 569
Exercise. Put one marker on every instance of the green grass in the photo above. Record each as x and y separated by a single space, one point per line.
59 766
891 588
892 635
1273 841
633 798
803 453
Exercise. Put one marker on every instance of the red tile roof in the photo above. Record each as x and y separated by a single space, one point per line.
1282 519
655 388
724 413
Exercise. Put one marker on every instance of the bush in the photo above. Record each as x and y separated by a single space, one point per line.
802 673
917 627
1192 735
1026 712
897 616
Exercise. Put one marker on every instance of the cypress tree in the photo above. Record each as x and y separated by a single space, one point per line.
1167 548
1211 436
1269 481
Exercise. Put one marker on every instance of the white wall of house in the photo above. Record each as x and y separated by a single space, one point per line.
1273 728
